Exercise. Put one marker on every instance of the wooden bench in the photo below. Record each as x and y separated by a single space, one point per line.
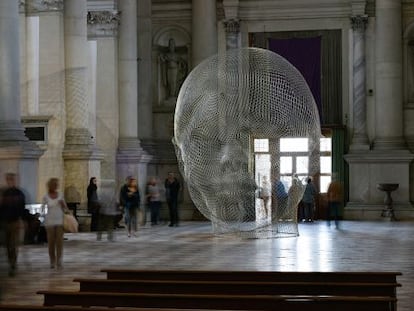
69 308
358 284
239 287
219 302
260 276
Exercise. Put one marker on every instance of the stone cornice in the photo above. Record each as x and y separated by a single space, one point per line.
171 10
37 6
408 10
358 7
294 9
103 23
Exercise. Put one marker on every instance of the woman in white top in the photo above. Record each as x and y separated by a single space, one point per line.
56 207
265 195
154 199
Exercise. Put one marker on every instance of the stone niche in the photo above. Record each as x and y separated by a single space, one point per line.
171 64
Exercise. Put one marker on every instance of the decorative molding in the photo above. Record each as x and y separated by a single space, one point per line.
294 9
37 6
370 8
231 9
358 7
165 12
103 17
103 23
232 25
22 6
359 22
36 119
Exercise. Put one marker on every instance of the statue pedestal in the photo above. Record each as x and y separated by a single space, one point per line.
389 209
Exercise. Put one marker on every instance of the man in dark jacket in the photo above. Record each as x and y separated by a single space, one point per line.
12 211
172 187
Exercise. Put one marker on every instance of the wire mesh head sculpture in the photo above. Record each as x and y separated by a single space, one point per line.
225 102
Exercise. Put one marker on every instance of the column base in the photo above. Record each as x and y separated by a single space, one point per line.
130 151
162 151
355 147
132 160
390 144
21 156
82 160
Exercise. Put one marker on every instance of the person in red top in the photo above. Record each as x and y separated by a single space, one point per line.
335 198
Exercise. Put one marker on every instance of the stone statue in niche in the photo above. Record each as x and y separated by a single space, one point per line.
173 69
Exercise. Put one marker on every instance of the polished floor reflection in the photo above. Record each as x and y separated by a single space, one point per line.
356 246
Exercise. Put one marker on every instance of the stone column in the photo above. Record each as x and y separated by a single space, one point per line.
76 52
103 84
145 69
388 89
204 26
130 154
17 153
81 158
360 137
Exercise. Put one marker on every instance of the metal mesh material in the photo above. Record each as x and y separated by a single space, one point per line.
226 102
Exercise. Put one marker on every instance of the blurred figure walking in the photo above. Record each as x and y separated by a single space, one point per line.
130 198
335 197
12 211
93 203
109 209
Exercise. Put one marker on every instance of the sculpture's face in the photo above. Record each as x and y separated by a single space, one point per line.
223 104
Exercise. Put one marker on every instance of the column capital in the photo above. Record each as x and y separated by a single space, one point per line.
359 22
103 23
36 6
22 6
232 25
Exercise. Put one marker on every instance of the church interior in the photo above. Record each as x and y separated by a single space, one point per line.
90 88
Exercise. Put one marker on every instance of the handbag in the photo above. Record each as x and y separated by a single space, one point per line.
70 224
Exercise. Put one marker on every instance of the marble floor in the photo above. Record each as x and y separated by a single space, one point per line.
356 246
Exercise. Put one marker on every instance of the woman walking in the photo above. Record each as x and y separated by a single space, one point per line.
55 206
131 199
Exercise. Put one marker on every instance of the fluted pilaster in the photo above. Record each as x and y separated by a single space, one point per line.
17 153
